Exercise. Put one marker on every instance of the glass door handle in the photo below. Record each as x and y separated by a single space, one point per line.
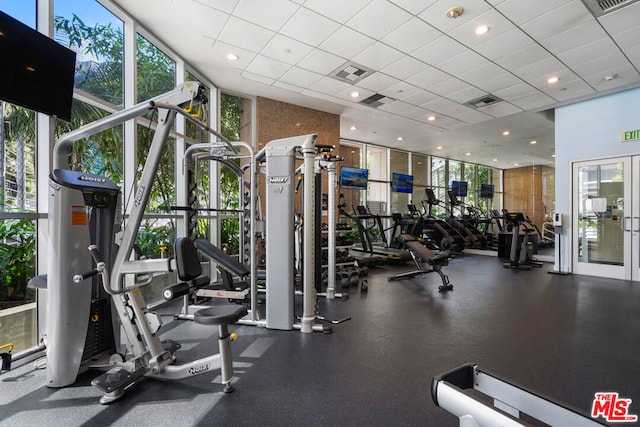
624 223
635 224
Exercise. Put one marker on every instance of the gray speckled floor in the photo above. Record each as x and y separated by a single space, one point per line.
564 336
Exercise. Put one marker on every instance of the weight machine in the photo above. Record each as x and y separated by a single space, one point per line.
72 196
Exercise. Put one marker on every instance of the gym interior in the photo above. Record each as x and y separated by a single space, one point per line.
305 212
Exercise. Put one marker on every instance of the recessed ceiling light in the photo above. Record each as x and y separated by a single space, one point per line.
297 124
353 128
553 80
482 29
232 57
467 154
609 77
533 142
495 160
516 164
355 94
439 147
431 118
553 155
506 133
400 138
353 151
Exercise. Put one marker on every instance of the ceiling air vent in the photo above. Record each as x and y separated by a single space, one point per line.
351 72
602 7
376 100
483 101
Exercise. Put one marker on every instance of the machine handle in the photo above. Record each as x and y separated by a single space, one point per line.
95 254
80 277
624 223
635 220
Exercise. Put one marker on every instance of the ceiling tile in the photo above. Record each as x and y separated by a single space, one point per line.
545 68
257 78
245 35
420 98
309 27
338 10
346 94
413 6
469 115
578 36
404 67
504 44
516 91
429 77
498 81
466 94
377 82
622 19
212 23
497 23
286 49
400 90
300 77
321 62
533 101
463 62
570 90
287 86
378 19
623 75
336 42
226 6
272 14
522 57
519 11
603 64
411 35
500 109
377 56
569 15
587 52
628 39
436 14
448 86
221 50
439 50
396 107
329 86
268 67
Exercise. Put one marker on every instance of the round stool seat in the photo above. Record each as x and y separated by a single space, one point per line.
220 315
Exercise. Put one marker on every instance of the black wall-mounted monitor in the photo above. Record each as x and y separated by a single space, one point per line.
486 191
401 183
459 188
354 178
35 72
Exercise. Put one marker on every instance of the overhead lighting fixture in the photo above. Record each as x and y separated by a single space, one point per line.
400 138
467 154
431 118
30 68
454 12
609 77
439 147
232 57
355 94
553 80
353 128
506 133
553 155
516 164
495 160
482 29
533 142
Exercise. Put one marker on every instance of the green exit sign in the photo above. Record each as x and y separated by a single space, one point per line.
630 135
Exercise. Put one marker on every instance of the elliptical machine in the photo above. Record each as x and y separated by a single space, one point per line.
522 249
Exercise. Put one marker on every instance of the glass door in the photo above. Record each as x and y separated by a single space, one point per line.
601 205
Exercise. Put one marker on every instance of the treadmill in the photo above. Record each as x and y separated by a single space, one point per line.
366 222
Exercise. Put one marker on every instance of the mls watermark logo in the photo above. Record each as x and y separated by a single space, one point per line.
613 408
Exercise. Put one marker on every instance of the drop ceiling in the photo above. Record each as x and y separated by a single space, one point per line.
422 63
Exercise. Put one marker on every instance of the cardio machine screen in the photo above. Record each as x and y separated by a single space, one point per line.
354 178
486 191
401 183
459 188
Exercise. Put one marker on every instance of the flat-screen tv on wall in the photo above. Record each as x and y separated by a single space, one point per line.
401 183
355 178
486 191
459 188
36 72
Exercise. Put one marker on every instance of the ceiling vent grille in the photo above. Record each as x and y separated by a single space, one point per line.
602 7
376 100
351 73
483 101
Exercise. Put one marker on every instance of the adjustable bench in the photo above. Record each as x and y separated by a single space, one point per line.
426 261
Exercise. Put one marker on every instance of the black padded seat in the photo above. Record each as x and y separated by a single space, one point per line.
220 314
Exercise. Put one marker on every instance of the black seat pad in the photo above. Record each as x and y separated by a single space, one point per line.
220 314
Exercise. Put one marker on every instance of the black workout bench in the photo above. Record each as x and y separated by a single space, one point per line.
426 261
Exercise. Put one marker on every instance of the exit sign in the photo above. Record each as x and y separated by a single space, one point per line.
630 135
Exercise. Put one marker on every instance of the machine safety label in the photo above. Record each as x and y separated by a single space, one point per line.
79 215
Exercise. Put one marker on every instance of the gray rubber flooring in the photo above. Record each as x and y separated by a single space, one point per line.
566 337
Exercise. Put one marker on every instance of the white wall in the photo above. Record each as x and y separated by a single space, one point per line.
590 130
